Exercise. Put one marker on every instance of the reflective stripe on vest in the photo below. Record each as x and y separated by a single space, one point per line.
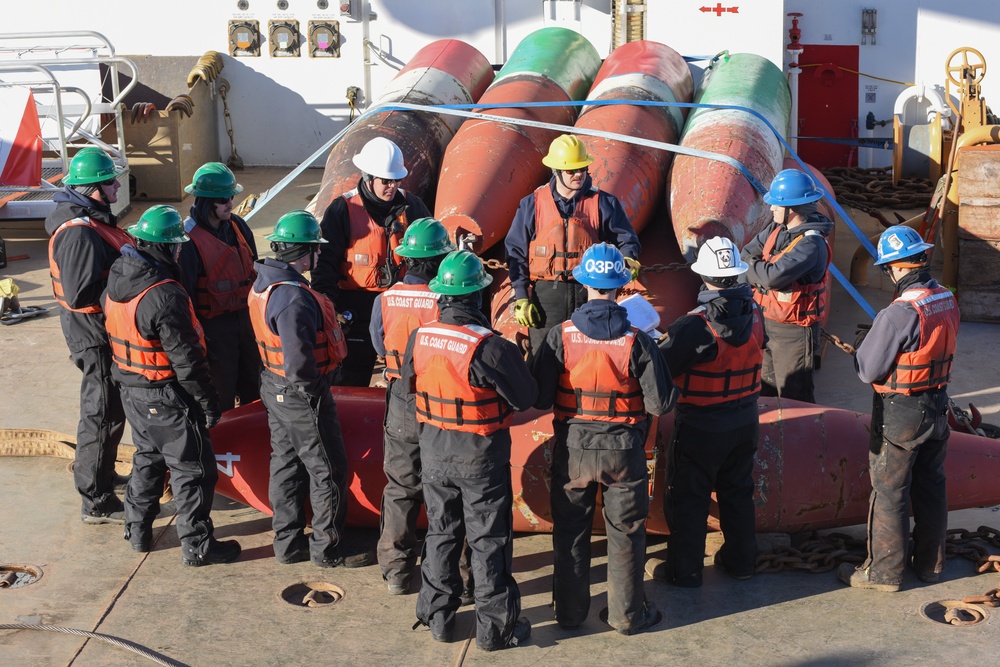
329 349
732 375
559 242
929 366
132 351
404 308
114 237
595 383
442 354
229 272
365 261
803 305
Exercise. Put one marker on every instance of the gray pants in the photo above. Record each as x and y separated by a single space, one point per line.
787 369
102 423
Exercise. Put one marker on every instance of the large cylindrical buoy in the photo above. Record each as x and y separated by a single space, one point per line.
710 198
447 71
490 166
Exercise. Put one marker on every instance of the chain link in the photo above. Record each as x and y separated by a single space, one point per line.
822 553
650 268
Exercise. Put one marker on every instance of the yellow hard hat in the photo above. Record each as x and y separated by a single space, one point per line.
567 152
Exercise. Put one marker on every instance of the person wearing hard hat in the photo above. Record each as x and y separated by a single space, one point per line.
715 354
467 381
159 362
362 228
399 310
552 228
301 345
84 242
907 357
788 269
217 272
604 378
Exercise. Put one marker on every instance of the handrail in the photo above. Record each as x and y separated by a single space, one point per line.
13 36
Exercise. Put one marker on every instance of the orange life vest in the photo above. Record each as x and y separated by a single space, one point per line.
369 248
133 352
595 383
732 375
113 236
559 242
803 305
329 349
404 308
929 366
442 354
229 272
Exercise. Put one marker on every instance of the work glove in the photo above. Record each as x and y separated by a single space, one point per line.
526 314
634 266
860 333
212 418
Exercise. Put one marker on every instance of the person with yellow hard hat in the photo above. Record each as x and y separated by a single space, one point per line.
552 228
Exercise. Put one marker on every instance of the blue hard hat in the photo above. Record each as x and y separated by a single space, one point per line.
602 267
792 187
898 243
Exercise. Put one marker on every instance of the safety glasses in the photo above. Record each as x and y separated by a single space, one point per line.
581 170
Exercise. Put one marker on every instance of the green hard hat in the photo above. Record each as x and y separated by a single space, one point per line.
91 165
214 179
461 272
160 224
297 227
425 237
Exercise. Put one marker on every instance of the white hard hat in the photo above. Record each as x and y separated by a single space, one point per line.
718 257
382 158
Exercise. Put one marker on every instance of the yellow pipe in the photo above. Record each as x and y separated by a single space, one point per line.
987 134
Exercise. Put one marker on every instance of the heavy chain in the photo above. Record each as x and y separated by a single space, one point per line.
495 264
823 553
873 187
846 347
235 161
650 268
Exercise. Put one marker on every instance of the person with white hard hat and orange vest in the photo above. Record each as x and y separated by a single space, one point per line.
159 355
552 228
907 357
217 271
84 241
604 378
301 345
363 227
467 382
788 268
715 354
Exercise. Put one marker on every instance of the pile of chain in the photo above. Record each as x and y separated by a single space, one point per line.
873 188
823 553
650 268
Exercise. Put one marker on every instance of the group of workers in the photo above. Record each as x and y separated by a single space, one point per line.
177 321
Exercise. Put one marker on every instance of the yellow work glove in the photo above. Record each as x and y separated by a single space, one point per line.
526 314
633 266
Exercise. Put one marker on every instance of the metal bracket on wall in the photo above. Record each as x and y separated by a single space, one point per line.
244 39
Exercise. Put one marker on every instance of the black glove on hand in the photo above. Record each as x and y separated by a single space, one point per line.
212 418
860 333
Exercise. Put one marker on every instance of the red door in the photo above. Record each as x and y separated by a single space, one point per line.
828 104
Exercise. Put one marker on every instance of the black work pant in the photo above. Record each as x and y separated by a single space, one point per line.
479 508
623 478
699 461
403 495
233 358
902 478
102 423
356 369
168 433
307 456
556 301
787 369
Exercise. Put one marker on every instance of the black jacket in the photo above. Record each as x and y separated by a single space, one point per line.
804 264
604 320
164 314
294 315
496 364
83 258
336 226
689 341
